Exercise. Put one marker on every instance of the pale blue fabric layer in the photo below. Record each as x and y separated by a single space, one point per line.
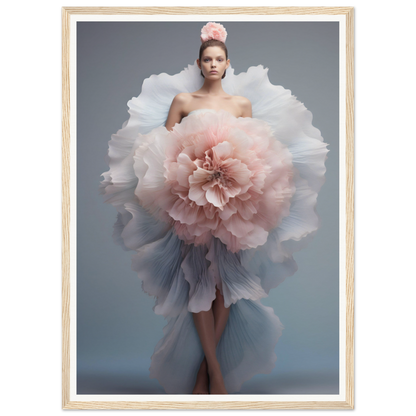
247 344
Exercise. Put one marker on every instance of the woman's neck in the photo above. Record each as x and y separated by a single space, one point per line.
212 88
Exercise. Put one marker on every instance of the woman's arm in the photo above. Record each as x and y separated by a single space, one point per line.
176 111
245 105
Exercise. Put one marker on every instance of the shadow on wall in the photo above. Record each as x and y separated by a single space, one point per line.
325 382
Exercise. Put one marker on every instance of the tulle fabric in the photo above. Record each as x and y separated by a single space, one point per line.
183 281
181 276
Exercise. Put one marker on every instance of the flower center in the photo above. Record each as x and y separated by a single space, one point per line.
220 176
219 172
216 175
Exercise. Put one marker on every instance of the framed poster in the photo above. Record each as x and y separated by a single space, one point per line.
110 332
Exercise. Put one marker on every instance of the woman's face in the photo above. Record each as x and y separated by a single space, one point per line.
213 62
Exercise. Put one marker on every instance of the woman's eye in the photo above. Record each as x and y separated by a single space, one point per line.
208 59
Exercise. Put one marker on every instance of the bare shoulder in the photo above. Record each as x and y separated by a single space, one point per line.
180 103
245 105
181 99
177 109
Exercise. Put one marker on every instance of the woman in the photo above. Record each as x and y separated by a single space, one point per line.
214 202
213 62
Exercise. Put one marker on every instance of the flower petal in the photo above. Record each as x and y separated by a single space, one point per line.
237 170
237 226
197 194
222 151
199 176
215 196
228 210
184 170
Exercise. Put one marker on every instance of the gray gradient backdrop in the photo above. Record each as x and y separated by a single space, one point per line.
117 329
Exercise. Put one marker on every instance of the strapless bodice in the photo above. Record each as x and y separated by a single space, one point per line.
200 110
208 110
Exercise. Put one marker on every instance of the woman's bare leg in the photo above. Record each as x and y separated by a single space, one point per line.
220 318
204 323
219 313
202 379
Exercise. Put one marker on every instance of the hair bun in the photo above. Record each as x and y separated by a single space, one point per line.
213 30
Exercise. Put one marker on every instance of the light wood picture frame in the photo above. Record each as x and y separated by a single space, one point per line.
345 17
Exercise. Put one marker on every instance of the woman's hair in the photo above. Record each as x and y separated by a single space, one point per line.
213 42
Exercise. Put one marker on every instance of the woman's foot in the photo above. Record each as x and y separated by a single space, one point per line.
216 381
202 380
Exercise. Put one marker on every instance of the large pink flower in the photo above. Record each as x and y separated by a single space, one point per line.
216 175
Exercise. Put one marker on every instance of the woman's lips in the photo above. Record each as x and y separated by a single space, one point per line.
213 72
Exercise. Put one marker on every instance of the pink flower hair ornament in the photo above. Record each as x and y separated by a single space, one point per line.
213 30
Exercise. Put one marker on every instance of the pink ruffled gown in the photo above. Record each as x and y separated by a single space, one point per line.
219 201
